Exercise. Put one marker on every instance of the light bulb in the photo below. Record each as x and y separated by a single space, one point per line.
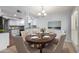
39 14
45 14
43 11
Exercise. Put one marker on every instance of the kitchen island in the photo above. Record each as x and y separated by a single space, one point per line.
4 40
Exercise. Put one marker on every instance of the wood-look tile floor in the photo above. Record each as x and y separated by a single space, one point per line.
68 48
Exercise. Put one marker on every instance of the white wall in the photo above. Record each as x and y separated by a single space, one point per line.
43 22
65 19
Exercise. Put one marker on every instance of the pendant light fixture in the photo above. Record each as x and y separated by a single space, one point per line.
43 12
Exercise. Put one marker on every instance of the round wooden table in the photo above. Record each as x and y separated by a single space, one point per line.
39 41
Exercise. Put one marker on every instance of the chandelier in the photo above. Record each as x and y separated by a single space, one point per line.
43 12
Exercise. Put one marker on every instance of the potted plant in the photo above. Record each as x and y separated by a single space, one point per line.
1 30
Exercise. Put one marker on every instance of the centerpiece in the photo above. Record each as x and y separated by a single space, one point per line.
42 32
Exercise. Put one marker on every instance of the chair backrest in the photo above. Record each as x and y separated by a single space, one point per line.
20 46
23 34
60 44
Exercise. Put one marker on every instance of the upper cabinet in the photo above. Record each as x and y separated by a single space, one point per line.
54 24
17 22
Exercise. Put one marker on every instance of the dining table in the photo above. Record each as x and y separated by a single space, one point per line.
41 41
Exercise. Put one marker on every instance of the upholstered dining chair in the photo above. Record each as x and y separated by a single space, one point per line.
56 48
21 47
59 47
23 34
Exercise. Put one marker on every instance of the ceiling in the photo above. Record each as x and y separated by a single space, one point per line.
33 10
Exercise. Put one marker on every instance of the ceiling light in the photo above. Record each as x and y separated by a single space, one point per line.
43 12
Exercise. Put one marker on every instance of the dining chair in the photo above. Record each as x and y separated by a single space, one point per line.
56 48
59 47
21 47
23 34
52 35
